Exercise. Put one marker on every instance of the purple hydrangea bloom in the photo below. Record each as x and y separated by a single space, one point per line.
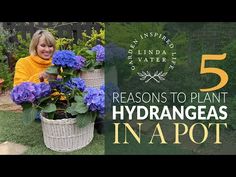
95 99
56 84
42 89
100 52
103 87
28 92
79 62
67 58
24 93
76 83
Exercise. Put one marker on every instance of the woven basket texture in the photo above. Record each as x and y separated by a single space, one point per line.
93 78
64 135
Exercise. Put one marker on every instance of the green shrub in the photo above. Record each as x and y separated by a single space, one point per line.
5 48
22 49
90 40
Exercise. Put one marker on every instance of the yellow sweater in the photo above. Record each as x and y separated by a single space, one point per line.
28 69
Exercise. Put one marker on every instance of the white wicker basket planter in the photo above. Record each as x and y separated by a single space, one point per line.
64 135
93 78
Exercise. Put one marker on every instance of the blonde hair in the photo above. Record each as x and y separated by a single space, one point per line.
49 39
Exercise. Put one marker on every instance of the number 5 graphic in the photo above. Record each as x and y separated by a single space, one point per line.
221 73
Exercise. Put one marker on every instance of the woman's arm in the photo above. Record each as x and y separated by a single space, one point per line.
22 74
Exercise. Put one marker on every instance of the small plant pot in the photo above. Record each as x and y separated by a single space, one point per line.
64 135
93 78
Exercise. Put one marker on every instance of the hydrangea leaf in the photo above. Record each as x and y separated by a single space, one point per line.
51 115
29 113
79 99
41 100
72 110
50 108
52 70
81 108
68 71
91 53
84 119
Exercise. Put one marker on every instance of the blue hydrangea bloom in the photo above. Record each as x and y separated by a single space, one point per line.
42 90
102 87
56 84
100 52
67 58
79 62
24 93
76 83
28 92
95 100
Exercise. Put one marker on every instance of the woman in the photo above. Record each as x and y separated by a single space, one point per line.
32 68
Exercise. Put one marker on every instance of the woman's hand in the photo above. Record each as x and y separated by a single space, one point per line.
44 75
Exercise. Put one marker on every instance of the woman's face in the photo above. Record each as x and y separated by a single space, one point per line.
44 51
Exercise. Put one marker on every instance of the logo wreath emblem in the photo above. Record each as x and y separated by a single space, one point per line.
147 76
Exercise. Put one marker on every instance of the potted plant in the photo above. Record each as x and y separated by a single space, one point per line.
67 107
93 70
91 48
